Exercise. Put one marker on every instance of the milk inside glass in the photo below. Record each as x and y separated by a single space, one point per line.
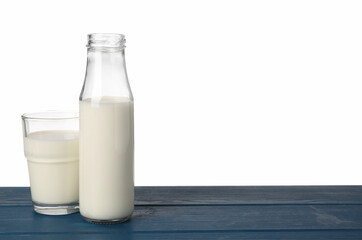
106 158
53 166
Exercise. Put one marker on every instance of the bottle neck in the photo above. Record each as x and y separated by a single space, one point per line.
102 61
106 74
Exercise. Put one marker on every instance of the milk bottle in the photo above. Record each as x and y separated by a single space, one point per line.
106 139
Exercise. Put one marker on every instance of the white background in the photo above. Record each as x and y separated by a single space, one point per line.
226 92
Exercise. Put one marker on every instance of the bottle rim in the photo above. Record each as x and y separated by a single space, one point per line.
106 40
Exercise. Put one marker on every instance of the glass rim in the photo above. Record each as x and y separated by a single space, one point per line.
51 115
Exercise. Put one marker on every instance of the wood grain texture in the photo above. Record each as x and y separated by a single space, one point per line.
20 196
249 195
195 218
240 235
318 212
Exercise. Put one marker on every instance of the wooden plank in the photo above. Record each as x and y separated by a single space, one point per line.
20 196
227 235
249 195
303 212
194 218
15 196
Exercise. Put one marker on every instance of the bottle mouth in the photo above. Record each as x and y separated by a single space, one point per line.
106 40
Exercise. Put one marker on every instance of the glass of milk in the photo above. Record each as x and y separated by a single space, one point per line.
51 148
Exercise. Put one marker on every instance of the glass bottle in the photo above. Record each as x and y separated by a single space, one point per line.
106 139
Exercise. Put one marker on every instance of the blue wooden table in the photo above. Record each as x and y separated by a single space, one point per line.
312 212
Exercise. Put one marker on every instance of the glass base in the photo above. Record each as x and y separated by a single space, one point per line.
111 221
56 209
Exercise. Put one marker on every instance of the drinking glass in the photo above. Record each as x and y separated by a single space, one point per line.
51 148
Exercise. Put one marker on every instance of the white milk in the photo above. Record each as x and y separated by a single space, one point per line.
53 166
106 158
